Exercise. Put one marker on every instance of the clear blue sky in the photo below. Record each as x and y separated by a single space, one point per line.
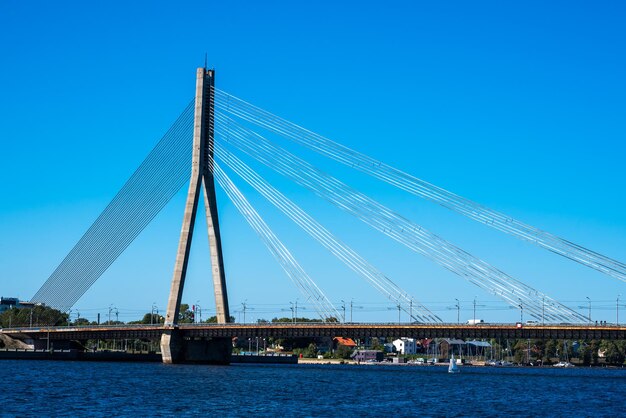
518 106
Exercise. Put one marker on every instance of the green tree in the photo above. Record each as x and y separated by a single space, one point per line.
343 352
584 353
38 315
185 315
81 322
549 350
213 320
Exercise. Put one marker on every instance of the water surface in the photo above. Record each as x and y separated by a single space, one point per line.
48 388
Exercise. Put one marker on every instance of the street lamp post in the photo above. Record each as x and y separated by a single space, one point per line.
343 308
589 314
474 317
152 313
521 311
351 301
617 310
458 311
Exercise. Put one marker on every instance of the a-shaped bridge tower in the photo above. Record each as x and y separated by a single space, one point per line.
173 347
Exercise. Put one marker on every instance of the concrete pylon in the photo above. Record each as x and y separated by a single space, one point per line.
172 347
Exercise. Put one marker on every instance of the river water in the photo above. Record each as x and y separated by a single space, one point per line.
47 388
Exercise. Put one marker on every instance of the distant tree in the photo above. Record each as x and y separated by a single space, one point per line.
40 315
213 320
150 318
81 322
612 352
584 353
298 319
376 344
549 350
343 352
185 315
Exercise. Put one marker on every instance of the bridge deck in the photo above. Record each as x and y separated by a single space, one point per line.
308 330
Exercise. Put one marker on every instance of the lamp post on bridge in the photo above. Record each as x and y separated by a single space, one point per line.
617 310
458 311
351 300
199 309
152 313
343 308
521 311
589 311
474 317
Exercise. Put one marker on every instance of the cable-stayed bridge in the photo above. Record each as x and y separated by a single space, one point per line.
220 131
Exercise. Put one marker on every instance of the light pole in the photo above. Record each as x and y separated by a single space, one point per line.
543 310
293 316
152 313
110 309
399 313
351 300
521 311
474 318
589 314
617 310
343 308
458 311
199 309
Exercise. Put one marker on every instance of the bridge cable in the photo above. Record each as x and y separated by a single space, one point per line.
344 253
289 264
246 111
121 204
164 171
402 230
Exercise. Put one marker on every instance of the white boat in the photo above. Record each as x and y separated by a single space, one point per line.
453 368
563 364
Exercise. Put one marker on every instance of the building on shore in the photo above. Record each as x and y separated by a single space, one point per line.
368 355
405 346
13 303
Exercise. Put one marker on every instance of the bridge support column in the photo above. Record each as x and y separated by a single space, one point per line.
176 349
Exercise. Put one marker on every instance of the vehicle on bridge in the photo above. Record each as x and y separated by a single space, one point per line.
475 321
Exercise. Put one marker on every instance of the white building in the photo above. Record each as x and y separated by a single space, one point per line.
405 345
